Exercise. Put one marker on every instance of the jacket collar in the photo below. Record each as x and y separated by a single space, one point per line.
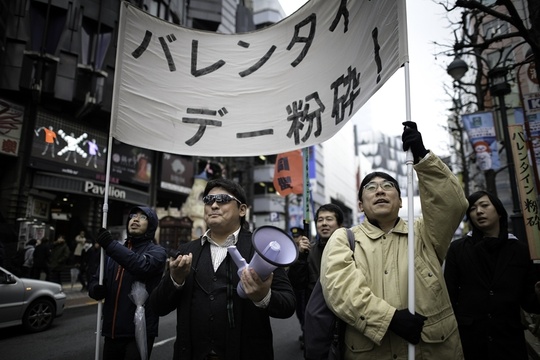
374 232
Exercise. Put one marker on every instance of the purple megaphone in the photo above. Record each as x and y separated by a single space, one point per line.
274 248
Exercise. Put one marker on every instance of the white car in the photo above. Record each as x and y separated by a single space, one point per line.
33 303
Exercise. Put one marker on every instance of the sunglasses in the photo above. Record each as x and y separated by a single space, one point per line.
219 198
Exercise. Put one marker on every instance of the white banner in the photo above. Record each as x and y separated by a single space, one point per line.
288 86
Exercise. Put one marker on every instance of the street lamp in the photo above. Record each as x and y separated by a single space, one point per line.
457 69
499 87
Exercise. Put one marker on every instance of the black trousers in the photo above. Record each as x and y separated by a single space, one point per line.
124 349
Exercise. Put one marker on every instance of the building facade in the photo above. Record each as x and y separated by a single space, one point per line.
57 63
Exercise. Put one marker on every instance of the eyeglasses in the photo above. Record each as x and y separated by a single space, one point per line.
138 216
219 198
373 186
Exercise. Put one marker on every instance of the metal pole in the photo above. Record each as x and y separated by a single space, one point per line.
518 228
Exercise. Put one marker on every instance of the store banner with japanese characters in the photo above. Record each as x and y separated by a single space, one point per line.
527 189
11 120
532 132
285 87
481 132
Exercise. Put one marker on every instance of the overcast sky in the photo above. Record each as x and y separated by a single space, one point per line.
385 111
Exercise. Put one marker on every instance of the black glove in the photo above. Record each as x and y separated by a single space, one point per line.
100 291
104 238
412 139
407 325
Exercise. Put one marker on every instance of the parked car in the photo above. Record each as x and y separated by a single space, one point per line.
33 303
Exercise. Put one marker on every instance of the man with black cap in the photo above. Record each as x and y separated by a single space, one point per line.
368 288
138 259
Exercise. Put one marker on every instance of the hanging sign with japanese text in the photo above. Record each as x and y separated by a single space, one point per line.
288 177
285 87
527 189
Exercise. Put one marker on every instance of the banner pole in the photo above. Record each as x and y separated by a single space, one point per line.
102 252
112 125
305 192
410 208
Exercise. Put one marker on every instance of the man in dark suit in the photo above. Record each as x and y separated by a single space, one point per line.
213 321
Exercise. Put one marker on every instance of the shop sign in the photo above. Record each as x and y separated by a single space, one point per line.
96 189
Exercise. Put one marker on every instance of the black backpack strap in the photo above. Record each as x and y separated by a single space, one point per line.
350 236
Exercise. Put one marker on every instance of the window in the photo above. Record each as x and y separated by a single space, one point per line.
494 28
500 57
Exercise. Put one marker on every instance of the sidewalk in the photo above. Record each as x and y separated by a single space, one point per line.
76 297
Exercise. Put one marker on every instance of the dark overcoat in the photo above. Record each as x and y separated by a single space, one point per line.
251 337
487 300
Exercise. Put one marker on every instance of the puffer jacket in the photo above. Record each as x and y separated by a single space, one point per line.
138 259
366 288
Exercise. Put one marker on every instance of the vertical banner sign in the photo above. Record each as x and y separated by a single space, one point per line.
531 120
11 119
527 190
288 173
481 132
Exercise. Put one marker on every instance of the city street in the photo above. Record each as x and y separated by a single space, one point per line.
73 337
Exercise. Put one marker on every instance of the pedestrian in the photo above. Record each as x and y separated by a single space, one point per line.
490 278
305 272
28 263
42 254
83 266
137 261
213 321
368 289
80 240
58 259
90 260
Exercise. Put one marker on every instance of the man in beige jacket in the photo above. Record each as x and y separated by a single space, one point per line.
368 289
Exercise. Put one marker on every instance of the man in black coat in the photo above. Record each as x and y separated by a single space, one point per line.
213 321
137 260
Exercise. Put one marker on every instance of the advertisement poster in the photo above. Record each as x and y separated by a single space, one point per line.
176 173
11 119
481 131
76 149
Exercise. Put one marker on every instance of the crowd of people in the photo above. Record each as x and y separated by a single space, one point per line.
469 293
41 259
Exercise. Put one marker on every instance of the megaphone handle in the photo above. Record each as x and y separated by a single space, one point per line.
237 258
241 264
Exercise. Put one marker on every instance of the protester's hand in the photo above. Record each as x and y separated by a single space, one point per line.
100 291
412 139
104 238
304 245
254 287
407 325
180 267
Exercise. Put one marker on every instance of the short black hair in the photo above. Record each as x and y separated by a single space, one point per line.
232 187
499 207
334 209
373 175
